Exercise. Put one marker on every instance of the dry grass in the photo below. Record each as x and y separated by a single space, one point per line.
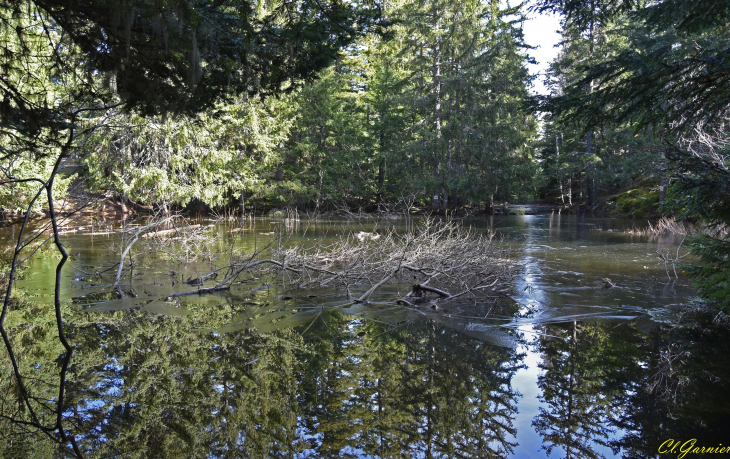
669 225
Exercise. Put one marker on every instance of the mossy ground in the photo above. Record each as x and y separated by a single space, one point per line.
639 202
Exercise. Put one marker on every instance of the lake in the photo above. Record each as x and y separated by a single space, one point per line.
564 364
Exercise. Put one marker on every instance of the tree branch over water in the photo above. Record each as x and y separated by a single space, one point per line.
28 400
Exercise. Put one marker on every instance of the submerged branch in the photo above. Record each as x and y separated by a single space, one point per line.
421 287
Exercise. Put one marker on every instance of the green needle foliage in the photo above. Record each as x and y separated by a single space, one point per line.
65 65
713 273
668 83
436 107
211 157
183 56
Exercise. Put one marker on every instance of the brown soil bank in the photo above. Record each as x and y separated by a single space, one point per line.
110 206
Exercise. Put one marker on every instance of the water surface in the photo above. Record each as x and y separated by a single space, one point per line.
568 368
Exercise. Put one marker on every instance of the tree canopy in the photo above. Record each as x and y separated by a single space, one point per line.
168 56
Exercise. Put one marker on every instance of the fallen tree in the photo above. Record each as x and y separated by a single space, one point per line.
442 259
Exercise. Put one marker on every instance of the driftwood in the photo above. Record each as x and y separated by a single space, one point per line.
201 291
169 231
139 232
419 288
443 258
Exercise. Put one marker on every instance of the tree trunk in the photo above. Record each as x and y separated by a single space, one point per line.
320 181
382 165
589 172
381 175
436 80
570 191
589 193
557 167
589 135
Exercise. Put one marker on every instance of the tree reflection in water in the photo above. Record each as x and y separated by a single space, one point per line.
152 386
33 392
144 385
419 391
616 386
681 391
581 382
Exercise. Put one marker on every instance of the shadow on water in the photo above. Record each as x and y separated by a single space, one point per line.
570 369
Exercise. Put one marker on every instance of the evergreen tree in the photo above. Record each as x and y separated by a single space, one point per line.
214 157
670 78
469 83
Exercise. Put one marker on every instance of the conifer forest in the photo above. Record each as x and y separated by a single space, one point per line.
364 229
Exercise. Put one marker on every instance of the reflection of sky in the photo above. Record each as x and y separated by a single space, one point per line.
564 259
532 298
525 382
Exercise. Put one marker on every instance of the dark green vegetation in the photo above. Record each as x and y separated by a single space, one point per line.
368 106
371 106
270 372
599 380
641 95
319 105
252 105
176 391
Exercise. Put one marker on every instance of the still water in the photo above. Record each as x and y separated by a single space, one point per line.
568 368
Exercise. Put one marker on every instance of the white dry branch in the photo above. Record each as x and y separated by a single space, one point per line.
667 257
133 236
170 235
445 259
